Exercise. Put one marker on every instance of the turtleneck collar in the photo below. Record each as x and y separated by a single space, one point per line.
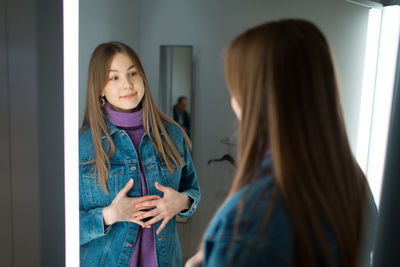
124 119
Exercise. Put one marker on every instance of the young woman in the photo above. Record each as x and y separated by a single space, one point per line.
299 197
136 172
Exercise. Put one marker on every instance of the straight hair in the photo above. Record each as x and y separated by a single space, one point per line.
283 78
94 117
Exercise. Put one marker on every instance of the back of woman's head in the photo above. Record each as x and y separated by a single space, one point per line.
282 76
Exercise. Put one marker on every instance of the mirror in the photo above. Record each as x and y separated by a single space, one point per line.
176 83
206 27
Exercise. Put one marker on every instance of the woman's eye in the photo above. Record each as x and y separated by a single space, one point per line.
132 74
114 78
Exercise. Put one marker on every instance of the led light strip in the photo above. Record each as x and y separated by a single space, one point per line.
377 93
385 76
368 86
71 144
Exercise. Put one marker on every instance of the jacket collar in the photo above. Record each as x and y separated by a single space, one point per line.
266 162
112 128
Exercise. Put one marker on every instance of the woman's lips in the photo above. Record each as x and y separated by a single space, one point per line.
128 96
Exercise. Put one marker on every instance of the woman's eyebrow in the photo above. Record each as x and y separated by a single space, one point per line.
131 67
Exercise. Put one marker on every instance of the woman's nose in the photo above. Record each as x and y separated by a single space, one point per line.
127 84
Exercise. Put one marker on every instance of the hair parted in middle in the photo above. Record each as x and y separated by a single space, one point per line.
94 115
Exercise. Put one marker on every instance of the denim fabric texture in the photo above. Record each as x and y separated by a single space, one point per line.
275 245
113 245
248 247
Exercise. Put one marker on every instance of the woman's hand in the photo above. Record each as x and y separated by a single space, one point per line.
123 208
196 260
167 207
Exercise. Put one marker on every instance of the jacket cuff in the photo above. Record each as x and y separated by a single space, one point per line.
97 227
195 203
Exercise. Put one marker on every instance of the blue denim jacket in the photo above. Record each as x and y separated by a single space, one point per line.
113 246
248 247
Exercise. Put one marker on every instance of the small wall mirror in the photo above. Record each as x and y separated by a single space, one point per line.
176 83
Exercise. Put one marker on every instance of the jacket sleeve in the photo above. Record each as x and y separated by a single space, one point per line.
224 248
189 184
233 241
91 223
241 254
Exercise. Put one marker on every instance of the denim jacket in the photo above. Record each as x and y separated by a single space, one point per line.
274 246
113 245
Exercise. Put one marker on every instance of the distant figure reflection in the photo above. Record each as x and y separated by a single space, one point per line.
181 116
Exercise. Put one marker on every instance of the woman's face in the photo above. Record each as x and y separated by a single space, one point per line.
236 109
124 89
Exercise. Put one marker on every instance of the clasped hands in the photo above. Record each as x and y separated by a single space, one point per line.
137 209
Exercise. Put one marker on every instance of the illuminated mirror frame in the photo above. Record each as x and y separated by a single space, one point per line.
377 91
71 128
376 102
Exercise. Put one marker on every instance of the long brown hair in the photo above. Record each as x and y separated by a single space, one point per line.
94 117
283 78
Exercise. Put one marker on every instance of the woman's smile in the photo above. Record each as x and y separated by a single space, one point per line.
129 95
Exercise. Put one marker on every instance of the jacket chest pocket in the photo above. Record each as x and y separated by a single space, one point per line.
94 191
170 179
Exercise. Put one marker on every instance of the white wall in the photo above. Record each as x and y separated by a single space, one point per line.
209 25
104 21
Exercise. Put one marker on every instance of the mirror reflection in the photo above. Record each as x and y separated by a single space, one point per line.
176 83
194 88
136 173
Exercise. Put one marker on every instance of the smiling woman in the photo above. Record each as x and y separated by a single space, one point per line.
125 88
141 159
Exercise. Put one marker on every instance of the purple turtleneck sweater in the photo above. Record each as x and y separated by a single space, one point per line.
144 253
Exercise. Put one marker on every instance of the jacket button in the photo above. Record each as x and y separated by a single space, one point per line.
150 167
122 134
133 168
129 245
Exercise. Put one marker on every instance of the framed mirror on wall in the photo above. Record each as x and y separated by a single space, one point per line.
176 84
176 87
